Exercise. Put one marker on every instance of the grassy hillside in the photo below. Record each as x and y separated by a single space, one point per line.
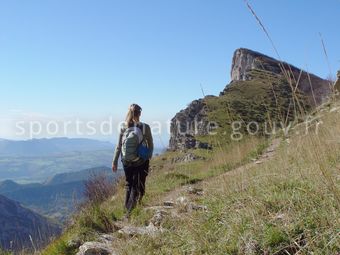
291 203
267 99
287 203
165 176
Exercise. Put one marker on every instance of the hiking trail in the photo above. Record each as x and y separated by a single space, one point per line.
179 202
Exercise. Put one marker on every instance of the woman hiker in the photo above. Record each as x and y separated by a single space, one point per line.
135 146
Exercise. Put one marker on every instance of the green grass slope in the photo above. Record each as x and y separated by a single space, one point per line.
261 106
286 205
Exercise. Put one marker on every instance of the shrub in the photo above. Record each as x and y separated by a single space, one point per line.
98 189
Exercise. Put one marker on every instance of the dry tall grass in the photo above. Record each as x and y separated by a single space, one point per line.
98 188
287 205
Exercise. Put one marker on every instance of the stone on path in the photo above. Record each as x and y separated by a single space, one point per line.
150 230
105 238
182 201
158 218
95 248
168 203
195 191
195 207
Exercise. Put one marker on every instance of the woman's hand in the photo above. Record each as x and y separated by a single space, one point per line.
114 168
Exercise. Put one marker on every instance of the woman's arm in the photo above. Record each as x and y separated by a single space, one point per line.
117 152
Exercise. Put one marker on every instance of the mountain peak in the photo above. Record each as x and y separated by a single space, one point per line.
245 61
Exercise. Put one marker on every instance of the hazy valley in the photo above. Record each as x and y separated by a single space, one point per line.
40 159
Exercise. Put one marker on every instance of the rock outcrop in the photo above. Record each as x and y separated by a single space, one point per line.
187 124
247 65
245 60
22 228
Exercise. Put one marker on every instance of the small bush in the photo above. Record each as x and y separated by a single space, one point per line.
97 219
98 189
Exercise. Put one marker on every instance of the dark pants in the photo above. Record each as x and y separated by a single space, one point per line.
135 184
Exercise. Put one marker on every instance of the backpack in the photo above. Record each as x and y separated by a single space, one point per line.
134 150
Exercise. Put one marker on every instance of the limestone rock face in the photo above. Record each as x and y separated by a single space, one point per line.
245 60
187 124
247 65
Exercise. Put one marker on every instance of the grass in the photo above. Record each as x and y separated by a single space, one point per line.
265 98
287 205
164 177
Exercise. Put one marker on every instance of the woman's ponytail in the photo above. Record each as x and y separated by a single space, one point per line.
133 115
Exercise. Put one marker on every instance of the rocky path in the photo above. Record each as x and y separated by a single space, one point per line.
177 203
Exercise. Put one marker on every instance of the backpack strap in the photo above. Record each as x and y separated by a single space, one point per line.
141 126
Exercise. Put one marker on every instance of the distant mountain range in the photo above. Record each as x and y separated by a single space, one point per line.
50 147
55 184
82 175
39 169
21 227
58 196
10 186
38 159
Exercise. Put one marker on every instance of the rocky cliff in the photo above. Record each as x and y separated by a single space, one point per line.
187 124
245 60
22 228
260 88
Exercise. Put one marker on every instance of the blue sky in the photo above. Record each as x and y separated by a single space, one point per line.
91 59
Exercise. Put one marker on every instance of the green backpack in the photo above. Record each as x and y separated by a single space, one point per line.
132 138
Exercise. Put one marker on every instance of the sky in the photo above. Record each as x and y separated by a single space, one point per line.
80 59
